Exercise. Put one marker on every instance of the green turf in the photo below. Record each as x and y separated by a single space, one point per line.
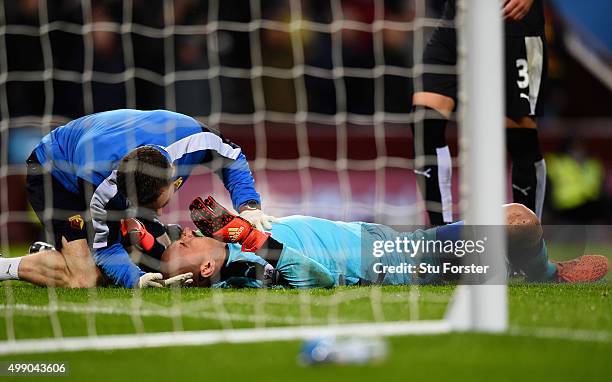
561 311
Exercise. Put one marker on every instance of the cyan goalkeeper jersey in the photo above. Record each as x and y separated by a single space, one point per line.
89 149
324 253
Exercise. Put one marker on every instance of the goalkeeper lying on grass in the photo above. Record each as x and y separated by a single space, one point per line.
308 252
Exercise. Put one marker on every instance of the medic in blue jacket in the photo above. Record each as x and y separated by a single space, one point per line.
86 176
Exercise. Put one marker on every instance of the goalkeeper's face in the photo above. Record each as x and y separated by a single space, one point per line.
193 254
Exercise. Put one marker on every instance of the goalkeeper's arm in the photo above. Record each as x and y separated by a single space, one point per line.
297 269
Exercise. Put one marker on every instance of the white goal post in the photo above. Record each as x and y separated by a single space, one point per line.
481 109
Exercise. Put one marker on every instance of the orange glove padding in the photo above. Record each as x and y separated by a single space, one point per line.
213 220
137 233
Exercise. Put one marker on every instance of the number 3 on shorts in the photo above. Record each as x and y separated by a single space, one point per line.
523 73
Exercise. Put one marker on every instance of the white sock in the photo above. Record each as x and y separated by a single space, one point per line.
9 267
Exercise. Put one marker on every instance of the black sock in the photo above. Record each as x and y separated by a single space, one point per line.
433 166
528 168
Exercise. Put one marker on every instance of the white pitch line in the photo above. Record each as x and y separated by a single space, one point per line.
208 337
561 334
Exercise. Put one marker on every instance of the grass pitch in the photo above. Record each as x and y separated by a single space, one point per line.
557 331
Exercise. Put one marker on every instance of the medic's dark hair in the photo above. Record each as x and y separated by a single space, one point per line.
143 173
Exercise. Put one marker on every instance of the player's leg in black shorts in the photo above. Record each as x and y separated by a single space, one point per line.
62 213
526 72
432 156
440 60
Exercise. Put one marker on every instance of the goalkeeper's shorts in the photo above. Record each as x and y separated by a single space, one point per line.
64 214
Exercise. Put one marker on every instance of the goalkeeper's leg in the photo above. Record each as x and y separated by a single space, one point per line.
527 251
526 248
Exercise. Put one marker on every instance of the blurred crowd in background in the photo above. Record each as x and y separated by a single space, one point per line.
574 95
192 52
571 93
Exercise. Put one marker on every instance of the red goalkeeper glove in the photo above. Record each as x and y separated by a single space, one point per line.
213 220
137 234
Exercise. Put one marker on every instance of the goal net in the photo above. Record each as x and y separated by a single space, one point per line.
319 96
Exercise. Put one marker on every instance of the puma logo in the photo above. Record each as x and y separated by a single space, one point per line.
425 173
523 191
246 273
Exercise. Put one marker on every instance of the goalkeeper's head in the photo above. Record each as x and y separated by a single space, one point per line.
202 256
145 177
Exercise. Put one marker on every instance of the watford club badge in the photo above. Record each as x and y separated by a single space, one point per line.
76 222
178 183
